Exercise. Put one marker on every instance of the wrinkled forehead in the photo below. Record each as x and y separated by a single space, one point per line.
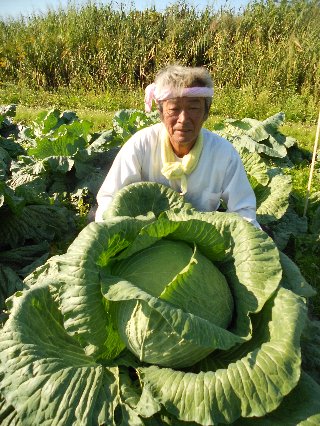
184 101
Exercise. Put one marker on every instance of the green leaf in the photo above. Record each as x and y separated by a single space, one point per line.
251 267
257 132
251 386
273 200
48 121
78 273
106 141
35 223
8 415
61 139
21 256
292 278
69 387
14 149
301 407
9 198
310 345
92 178
177 343
256 136
5 160
251 263
140 198
60 164
198 278
10 282
254 166
66 145
8 110
289 224
128 121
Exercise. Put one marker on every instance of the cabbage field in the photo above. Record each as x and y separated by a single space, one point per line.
160 315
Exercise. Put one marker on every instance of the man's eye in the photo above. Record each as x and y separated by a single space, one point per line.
173 111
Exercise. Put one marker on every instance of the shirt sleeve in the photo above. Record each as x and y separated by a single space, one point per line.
125 169
238 193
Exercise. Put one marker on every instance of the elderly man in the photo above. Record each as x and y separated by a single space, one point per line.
179 152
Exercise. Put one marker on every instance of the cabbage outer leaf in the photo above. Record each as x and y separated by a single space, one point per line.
249 387
76 275
141 197
301 407
48 378
251 263
253 271
273 200
254 166
292 278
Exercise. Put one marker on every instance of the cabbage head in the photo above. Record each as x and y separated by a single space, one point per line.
160 315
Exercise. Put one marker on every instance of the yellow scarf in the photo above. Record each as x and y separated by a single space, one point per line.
174 169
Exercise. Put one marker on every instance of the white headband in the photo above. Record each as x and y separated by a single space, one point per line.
152 93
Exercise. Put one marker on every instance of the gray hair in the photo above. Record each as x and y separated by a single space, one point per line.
178 77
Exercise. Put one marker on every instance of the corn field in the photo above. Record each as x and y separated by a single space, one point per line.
270 44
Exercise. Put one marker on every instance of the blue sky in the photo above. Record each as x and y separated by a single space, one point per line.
16 8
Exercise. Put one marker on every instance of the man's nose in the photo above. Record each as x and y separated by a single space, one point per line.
183 115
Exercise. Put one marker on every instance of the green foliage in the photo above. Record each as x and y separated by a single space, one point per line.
279 172
50 172
162 317
33 217
270 46
67 164
127 122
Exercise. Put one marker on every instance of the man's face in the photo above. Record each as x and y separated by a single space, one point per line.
183 118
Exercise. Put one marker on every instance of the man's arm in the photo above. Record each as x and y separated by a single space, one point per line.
238 193
125 169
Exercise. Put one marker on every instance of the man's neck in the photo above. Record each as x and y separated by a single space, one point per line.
182 150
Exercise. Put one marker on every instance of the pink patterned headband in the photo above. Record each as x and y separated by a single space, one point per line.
151 93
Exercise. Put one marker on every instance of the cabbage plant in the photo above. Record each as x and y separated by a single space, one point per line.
263 137
160 315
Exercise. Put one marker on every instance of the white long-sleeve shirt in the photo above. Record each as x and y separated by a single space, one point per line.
219 174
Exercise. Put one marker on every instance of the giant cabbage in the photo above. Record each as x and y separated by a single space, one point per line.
161 315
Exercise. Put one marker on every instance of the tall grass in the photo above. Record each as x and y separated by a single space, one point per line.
270 45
